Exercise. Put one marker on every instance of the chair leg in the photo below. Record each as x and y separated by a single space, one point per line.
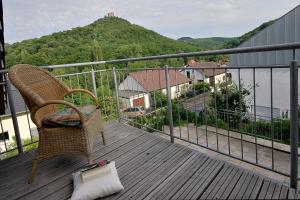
103 138
33 171
90 160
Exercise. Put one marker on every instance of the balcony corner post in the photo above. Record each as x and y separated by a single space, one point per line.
294 122
94 82
117 93
13 115
170 112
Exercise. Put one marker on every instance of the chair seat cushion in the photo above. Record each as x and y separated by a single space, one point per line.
67 117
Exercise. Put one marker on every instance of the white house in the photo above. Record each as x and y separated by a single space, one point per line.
26 126
208 72
136 88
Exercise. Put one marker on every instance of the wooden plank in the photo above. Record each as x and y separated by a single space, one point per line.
292 194
55 170
219 184
199 189
250 187
232 184
264 189
276 191
220 178
67 180
238 186
226 183
284 192
148 167
244 186
270 191
170 183
257 188
155 171
192 182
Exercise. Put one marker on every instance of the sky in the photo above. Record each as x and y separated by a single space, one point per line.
25 19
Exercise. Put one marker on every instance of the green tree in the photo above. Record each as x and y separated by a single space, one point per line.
96 51
236 97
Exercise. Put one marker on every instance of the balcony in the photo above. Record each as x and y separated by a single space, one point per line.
152 146
149 166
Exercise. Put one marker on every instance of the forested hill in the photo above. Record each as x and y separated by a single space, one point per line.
106 38
207 43
223 42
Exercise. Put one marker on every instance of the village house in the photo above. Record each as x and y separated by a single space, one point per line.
208 72
135 90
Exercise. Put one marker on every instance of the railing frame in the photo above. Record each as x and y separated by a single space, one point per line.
293 90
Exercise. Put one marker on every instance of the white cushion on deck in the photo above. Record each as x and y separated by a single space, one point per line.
98 187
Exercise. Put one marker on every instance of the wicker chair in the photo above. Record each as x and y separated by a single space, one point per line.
43 94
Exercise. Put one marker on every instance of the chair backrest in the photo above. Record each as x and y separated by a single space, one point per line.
37 86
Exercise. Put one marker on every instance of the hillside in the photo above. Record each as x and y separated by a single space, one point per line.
239 40
106 38
207 43
223 42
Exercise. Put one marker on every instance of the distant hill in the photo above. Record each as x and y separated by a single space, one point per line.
239 40
106 38
223 42
207 43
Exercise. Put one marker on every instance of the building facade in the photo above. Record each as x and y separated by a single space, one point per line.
285 29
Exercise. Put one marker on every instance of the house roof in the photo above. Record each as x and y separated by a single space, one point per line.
18 101
208 68
152 80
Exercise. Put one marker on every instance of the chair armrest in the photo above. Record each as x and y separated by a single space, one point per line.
86 92
62 102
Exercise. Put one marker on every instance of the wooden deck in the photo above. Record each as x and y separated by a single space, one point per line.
149 167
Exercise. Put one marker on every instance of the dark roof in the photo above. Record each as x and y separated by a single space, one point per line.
208 68
18 101
152 80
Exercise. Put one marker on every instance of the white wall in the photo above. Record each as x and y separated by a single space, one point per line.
174 92
128 102
131 84
195 74
218 78
281 87
146 100
23 126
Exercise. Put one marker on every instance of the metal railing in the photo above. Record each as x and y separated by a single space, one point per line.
204 117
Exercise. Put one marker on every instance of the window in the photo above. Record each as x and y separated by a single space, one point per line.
4 136
188 74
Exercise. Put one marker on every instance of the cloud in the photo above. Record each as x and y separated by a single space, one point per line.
173 18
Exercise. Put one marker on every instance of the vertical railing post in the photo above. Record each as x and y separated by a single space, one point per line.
94 82
117 92
294 122
168 88
14 116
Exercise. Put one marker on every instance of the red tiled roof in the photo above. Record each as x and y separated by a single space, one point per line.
208 68
152 80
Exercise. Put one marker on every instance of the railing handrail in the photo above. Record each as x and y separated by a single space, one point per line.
287 46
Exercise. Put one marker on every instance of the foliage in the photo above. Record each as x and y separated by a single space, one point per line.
234 42
106 38
229 98
207 43
202 87
224 42
158 99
